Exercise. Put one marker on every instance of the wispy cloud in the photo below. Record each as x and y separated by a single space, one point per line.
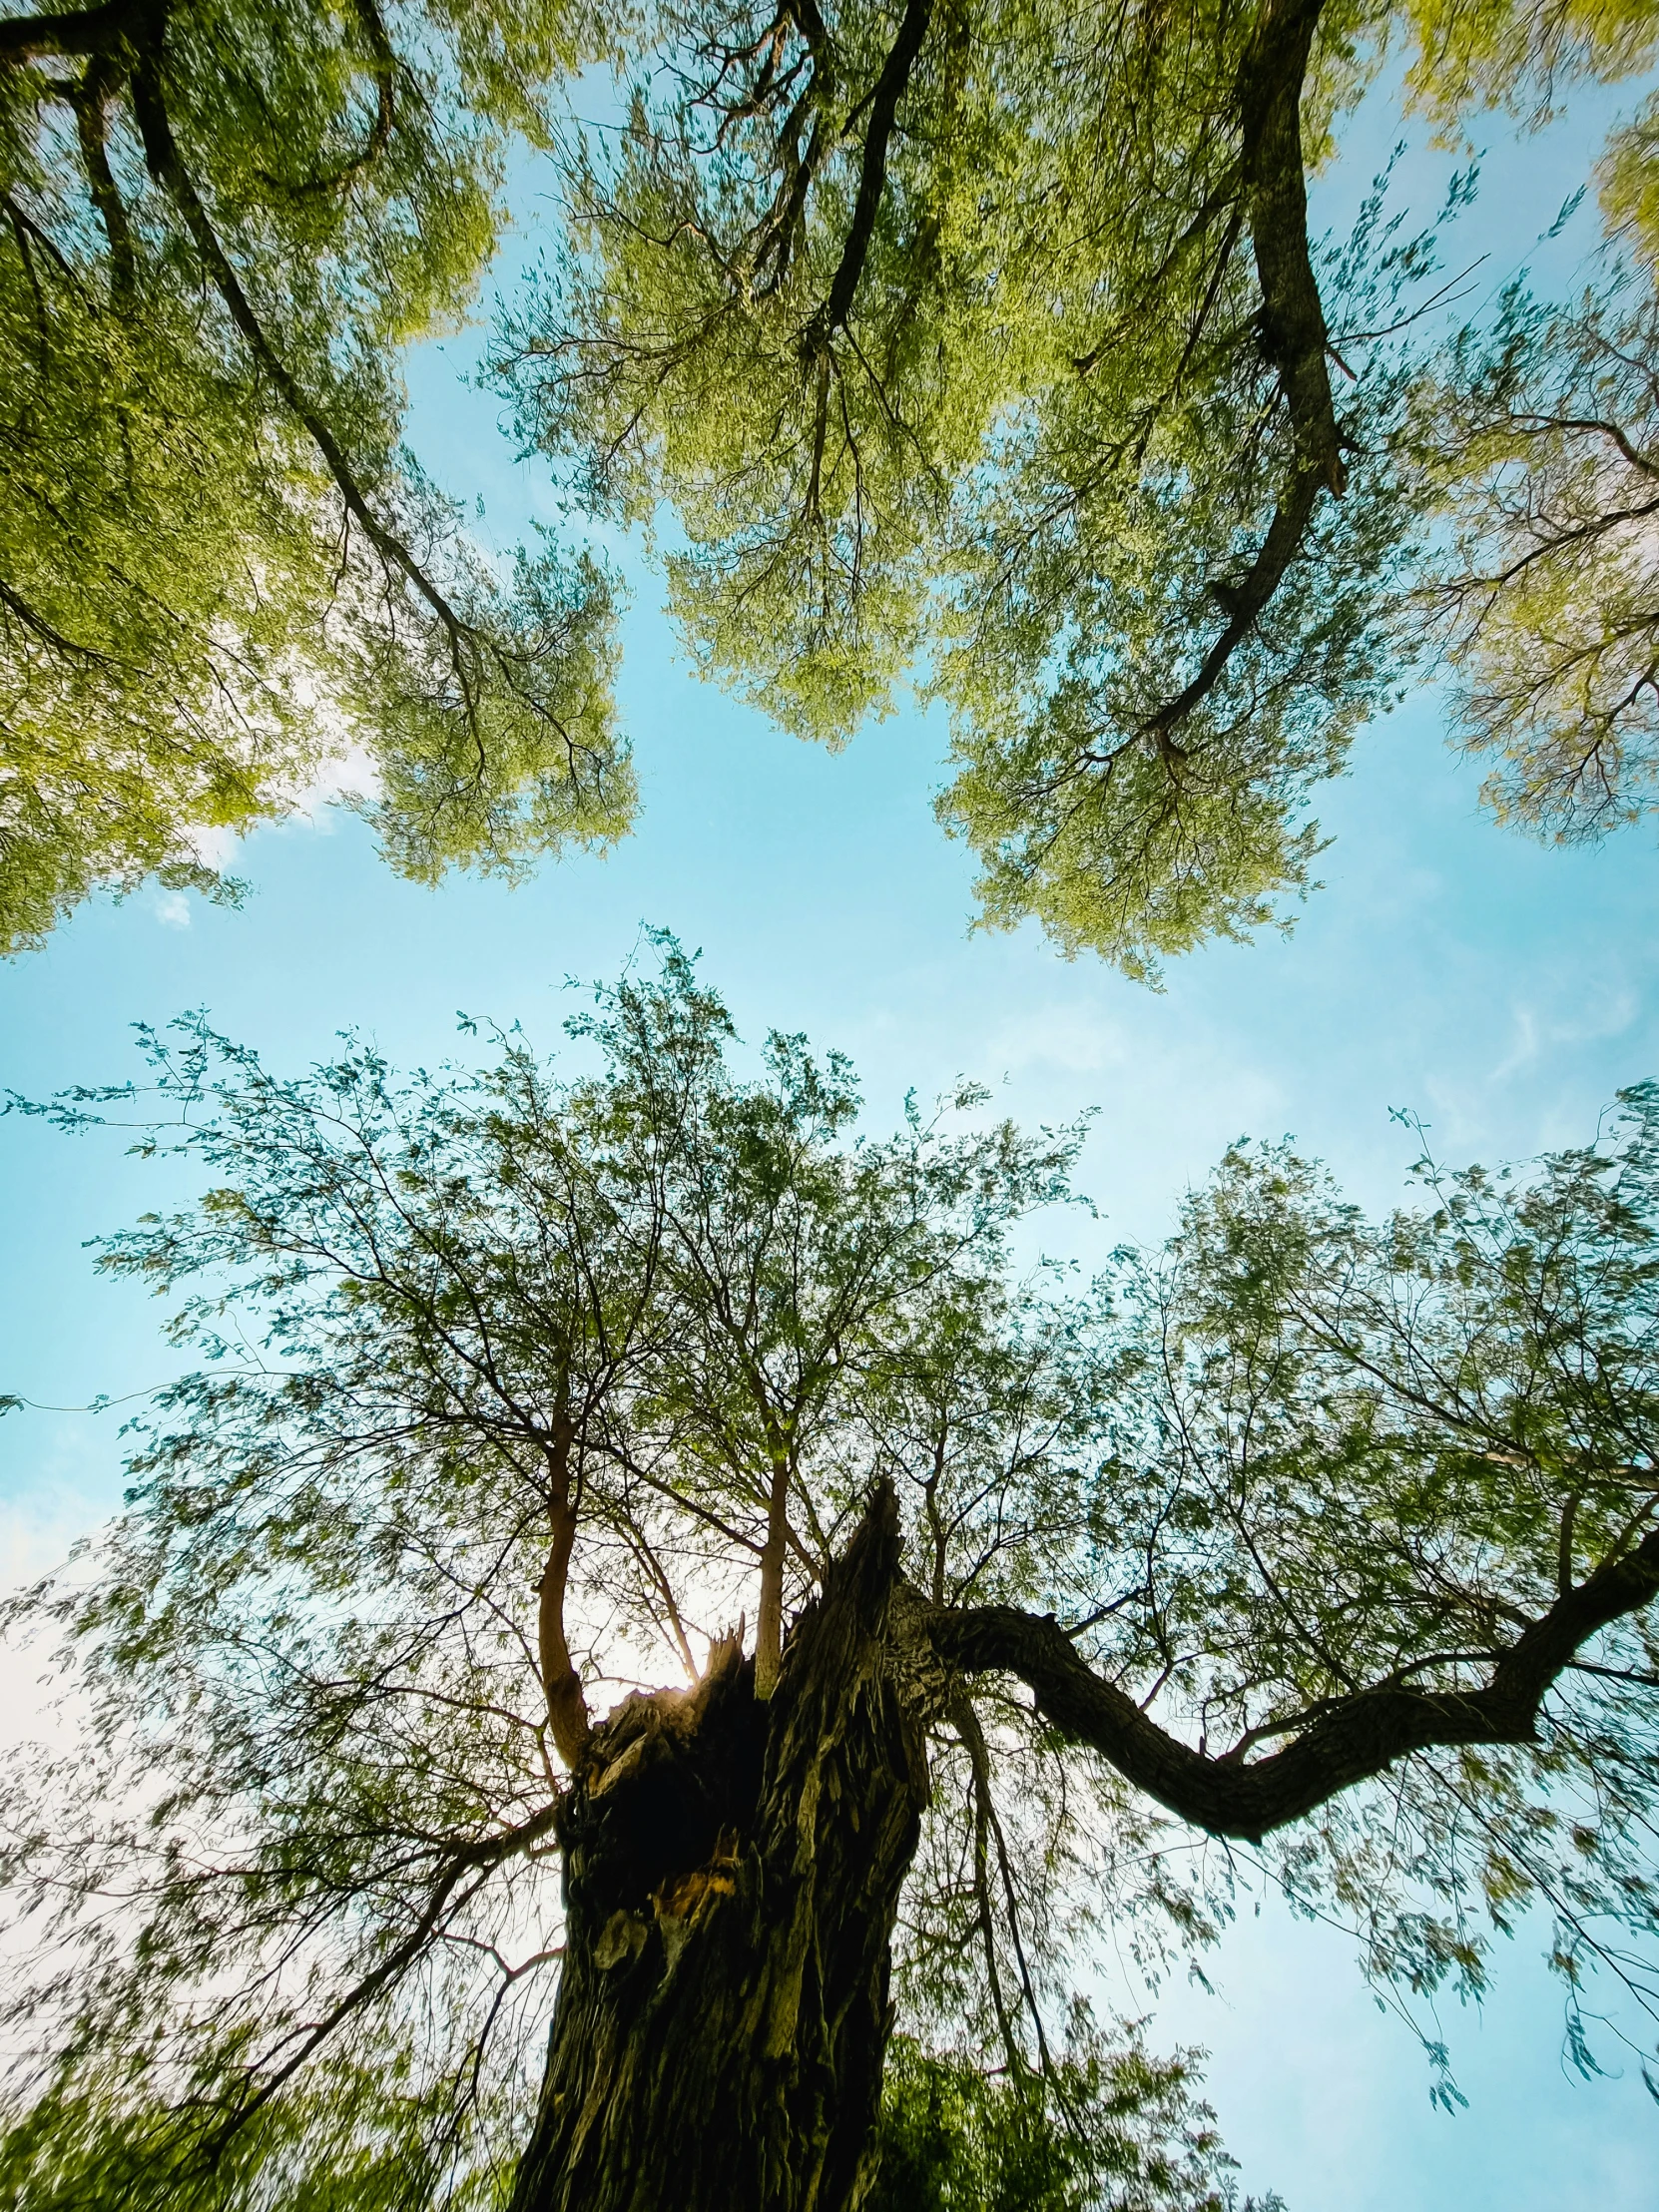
1592 1014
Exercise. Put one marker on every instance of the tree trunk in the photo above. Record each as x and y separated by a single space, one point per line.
731 1879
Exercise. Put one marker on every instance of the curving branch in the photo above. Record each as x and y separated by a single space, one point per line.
28 38
167 165
1291 332
567 1708
890 88
1353 1739
384 64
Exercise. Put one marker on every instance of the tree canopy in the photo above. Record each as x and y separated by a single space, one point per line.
983 343
995 338
218 569
1310 1543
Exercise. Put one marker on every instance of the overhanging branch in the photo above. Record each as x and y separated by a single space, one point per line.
168 166
1351 1741
27 38
891 87
478 1857
567 1708
1292 336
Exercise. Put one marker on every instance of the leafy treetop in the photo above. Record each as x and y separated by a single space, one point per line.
1331 1539
996 335
218 569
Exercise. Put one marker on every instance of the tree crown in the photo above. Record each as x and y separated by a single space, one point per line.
218 569
518 1388
996 344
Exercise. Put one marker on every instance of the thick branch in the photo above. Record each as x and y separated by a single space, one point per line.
167 165
1291 330
27 38
769 1625
807 19
1352 1740
890 88
101 82
567 1708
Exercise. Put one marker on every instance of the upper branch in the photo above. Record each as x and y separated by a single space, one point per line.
567 1709
1291 329
168 166
1352 1739
27 38
891 87
383 65
92 97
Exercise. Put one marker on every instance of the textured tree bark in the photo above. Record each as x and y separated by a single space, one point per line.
732 1878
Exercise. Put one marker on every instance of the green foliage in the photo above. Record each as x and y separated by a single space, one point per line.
1102 2130
981 341
1106 2129
1366 1452
988 341
219 571
1495 52
321 1627
1041 417
1135 757
1550 476
350 2146
664 1312
676 352
1541 438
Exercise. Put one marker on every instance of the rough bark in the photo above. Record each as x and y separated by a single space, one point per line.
732 1878
732 1868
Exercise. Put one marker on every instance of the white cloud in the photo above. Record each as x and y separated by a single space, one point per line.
348 774
1074 1038
1584 1014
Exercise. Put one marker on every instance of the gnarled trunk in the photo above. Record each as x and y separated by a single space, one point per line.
731 1879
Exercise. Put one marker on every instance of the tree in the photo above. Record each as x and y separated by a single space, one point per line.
219 571
1330 1541
1000 330
989 336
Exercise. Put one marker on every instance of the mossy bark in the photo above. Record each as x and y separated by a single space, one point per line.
731 1879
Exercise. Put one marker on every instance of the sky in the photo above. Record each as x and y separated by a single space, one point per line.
1501 991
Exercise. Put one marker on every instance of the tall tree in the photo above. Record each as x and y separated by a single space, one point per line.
218 570
1003 330
1333 1541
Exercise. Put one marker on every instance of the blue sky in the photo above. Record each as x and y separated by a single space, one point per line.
1501 991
